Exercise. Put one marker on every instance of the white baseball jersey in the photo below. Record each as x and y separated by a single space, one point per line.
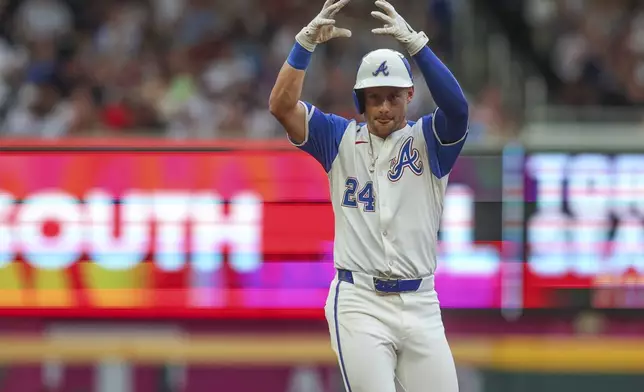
386 220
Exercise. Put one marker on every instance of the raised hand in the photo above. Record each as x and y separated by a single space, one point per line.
322 28
397 27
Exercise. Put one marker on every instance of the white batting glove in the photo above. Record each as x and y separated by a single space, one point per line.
398 28
322 29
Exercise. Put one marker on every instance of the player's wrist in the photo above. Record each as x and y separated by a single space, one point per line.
306 38
415 42
299 57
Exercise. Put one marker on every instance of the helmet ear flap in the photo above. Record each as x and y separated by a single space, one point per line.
358 99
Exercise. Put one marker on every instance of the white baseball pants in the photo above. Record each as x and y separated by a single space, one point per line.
389 342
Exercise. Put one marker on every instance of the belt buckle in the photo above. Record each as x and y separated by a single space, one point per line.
388 283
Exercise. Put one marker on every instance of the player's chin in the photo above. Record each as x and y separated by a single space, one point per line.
384 127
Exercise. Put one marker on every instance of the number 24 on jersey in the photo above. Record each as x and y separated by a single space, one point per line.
365 195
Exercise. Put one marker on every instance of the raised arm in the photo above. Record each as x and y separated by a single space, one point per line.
284 102
450 120
446 129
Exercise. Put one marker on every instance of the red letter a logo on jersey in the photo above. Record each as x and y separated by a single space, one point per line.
408 157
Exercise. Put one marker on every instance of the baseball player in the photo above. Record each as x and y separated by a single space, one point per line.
387 179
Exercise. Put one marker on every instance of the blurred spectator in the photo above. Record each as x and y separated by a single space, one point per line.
198 21
488 117
440 27
121 35
41 109
38 20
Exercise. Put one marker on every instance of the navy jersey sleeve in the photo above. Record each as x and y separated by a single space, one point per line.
324 133
442 155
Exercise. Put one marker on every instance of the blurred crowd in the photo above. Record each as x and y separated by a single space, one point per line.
177 68
596 48
204 68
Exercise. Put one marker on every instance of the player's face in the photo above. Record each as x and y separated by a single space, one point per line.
386 109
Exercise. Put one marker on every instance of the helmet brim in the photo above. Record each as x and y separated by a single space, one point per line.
383 82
